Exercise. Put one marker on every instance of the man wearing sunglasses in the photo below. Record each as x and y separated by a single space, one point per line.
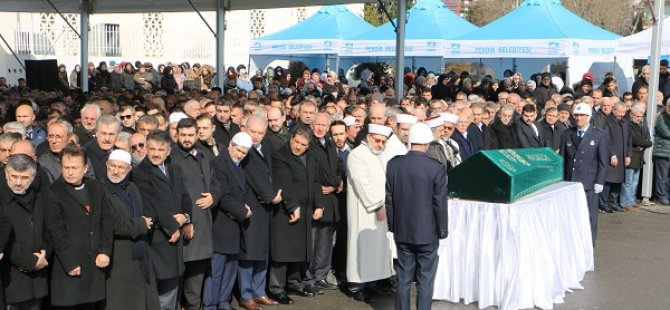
126 115
137 147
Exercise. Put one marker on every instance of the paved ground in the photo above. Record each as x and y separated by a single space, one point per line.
632 270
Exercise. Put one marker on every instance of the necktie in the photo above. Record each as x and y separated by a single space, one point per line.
580 133
163 169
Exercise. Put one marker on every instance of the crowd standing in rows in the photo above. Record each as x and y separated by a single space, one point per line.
158 190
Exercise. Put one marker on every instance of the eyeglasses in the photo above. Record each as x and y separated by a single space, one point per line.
379 141
122 117
449 128
138 146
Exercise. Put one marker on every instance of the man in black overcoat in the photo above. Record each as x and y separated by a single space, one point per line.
298 174
232 211
23 272
254 253
167 201
80 232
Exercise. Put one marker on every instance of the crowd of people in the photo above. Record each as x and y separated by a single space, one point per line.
153 191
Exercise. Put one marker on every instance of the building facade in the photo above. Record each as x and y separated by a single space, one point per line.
154 37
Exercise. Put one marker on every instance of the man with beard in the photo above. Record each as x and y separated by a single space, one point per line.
206 141
107 130
277 132
59 134
369 253
404 123
80 230
564 116
437 147
232 211
339 137
395 145
131 284
253 259
326 215
225 127
298 174
170 206
203 190
89 118
24 272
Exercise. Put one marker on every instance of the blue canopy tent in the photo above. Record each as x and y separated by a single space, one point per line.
429 24
314 41
538 32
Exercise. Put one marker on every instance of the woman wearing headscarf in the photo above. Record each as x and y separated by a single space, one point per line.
62 76
207 74
179 76
441 90
168 83
243 81
130 283
74 77
230 82
128 72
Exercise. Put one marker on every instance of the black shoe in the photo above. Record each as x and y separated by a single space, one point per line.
313 289
325 285
300 292
618 208
362 296
281 298
606 209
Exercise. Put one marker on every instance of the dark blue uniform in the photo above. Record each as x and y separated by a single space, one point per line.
585 161
416 208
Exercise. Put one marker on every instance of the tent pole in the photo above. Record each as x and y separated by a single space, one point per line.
442 65
337 64
514 67
83 48
400 50
656 38
220 33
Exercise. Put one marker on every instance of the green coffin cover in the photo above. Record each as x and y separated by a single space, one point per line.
505 175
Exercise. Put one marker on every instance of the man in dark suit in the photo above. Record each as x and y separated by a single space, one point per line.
586 155
25 274
225 127
621 152
461 136
552 132
338 132
416 209
203 191
79 228
232 210
327 215
169 204
529 134
206 140
298 174
107 129
264 198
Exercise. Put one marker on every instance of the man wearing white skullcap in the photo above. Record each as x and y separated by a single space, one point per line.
127 281
369 252
232 210
416 192
395 145
172 124
352 128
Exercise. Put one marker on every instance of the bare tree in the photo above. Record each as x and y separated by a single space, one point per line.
614 15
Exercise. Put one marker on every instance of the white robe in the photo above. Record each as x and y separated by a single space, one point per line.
394 147
369 255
